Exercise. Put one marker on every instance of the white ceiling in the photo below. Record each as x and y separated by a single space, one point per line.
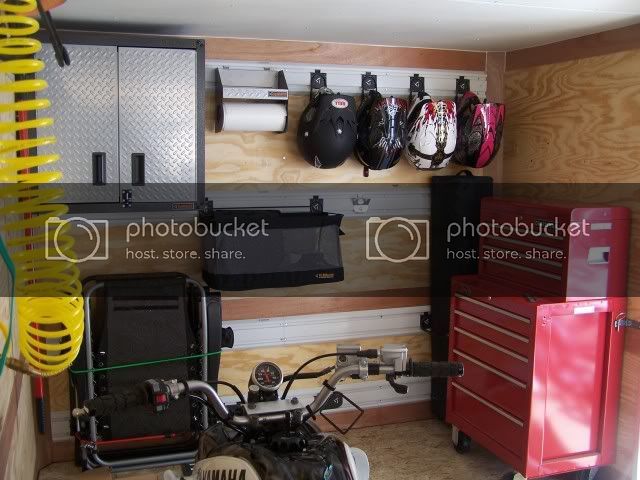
455 24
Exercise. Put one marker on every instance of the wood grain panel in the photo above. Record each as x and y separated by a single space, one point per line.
391 414
495 93
236 365
341 54
574 121
579 121
235 308
603 43
265 157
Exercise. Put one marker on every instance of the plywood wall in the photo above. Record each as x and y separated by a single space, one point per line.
579 121
236 158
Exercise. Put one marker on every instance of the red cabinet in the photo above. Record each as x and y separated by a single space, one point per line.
542 376
536 330
569 251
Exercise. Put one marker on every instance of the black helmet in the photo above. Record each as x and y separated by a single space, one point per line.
381 131
327 131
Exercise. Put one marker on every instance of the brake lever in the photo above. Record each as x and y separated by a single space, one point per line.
398 387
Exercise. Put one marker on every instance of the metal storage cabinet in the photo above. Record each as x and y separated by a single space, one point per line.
542 376
590 264
129 114
158 123
84 105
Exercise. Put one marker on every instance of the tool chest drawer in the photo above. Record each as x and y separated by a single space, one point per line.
570 251
496 334
508 431
542 375
497 387
509 362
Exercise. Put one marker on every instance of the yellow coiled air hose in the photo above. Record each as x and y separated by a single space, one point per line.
50 316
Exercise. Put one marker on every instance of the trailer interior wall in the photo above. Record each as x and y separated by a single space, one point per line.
573 116
247 157
18 435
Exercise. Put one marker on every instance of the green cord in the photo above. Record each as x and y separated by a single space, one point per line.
142 364
4 253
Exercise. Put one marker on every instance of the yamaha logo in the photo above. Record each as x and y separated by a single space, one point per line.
340 103
224 468
222 474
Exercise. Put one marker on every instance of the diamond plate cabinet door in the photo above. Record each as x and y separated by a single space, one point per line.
158 123
84 106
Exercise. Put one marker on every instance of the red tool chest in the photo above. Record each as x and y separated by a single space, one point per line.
542 376
536 330
568 251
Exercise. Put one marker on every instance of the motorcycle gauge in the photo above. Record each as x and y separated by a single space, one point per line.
267 375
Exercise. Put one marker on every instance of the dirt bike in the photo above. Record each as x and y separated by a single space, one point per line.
268 436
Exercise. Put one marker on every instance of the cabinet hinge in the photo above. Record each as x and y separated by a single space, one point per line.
623 322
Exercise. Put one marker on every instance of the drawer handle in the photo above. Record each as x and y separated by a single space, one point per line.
506 351
137 169
497 372
507 313
498 410
99 167
492 326
524 269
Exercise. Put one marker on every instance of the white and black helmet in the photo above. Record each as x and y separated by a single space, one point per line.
431 132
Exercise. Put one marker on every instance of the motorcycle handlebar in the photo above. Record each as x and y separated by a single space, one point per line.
141 395
435 369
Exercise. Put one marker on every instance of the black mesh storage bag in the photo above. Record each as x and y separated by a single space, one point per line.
249 249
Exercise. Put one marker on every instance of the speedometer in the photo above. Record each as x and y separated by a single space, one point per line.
267 375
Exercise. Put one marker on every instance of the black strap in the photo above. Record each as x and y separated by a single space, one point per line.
326 384
311 414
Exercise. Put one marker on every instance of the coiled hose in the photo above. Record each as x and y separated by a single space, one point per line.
50 316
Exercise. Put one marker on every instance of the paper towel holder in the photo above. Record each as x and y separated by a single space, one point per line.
266 86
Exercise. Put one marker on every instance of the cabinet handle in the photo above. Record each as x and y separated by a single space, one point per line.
137 169
99 163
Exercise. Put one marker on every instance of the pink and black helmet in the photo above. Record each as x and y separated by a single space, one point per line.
479 131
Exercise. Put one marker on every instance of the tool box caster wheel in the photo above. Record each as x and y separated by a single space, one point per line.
512 476
461 441
590 474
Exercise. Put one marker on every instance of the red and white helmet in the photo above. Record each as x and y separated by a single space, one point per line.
432 132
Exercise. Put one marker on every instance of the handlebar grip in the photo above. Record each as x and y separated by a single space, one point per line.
117 402
435 369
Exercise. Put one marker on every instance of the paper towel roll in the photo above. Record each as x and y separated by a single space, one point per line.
254 117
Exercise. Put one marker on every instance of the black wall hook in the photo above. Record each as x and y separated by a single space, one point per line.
317 81
463 85
369 82
416 84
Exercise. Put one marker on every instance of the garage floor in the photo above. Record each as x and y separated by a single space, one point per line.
408 451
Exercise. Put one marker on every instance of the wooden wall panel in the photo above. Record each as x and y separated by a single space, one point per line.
602 43
495 93
341 54
265 157
237 364
579 121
